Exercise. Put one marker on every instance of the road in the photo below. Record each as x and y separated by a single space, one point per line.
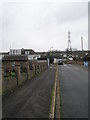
31 100
74 91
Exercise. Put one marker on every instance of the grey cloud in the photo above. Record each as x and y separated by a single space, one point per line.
41 25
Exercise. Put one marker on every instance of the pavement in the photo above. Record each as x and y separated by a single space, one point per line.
74 91
31 100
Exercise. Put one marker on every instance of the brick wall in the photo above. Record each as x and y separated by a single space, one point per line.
78 62
24 70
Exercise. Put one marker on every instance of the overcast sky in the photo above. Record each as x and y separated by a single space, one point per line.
42 25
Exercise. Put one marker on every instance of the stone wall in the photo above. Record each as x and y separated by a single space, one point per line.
23 71
78 62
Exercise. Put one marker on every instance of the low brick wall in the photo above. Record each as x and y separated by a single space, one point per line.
78 62
24 70
23 77
8 84
31 74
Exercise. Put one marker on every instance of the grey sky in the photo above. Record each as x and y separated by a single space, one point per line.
40 25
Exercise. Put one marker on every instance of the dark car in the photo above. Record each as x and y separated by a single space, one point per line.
60 62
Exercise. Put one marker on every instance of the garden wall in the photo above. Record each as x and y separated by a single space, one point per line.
15 73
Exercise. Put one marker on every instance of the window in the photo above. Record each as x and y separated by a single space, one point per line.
25 52
28 52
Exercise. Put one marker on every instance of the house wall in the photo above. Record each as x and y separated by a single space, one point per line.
15 52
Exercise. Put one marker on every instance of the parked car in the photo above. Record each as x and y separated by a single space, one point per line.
60 62
69 62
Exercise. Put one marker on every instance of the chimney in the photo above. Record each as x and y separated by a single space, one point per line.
82 43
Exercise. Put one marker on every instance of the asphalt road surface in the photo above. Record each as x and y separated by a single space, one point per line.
74 91
31 100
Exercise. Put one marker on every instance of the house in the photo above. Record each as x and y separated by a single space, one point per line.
27 51
15 58
10 61
32 55
2 54
15 52
21 52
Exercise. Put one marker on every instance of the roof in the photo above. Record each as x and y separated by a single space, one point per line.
15 58
30 50
4 53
